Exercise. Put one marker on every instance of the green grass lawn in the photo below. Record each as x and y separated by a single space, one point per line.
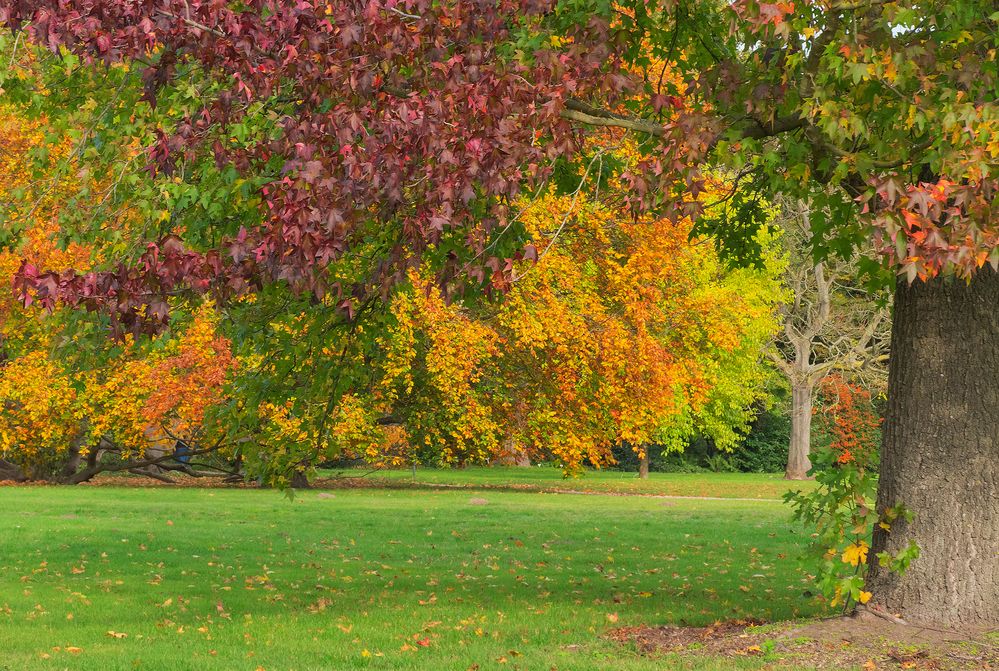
380 579
541 478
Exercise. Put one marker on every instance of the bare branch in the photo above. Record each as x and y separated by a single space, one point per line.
629 123
192 23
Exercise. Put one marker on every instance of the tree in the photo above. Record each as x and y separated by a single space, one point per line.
75 405
893 104
830 325
621 331
428 117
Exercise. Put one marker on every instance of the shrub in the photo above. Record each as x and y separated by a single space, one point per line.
764 449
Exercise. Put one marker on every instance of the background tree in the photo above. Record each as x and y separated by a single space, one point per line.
75 404
621 331
831 324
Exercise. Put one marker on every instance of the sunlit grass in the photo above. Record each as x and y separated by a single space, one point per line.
107 578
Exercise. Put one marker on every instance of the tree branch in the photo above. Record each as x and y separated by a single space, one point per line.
98 468
591 116
11 471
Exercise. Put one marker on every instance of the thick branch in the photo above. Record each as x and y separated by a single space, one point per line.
11 471
576 110
155 476
760 129
98 468
592 116
780 362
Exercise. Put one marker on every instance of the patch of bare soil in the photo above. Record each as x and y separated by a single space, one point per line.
178 480
861 641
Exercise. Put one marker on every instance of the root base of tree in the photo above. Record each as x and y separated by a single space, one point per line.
864 640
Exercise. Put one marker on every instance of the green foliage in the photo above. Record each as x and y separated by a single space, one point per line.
720 463
842 514
734 224
841 509
764 449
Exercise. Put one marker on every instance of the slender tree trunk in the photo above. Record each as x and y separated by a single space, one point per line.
74 459
643 466
940 453
798 463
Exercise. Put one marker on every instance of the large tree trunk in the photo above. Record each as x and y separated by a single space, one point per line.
940 453
798 463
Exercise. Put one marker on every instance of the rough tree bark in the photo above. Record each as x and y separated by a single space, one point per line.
940 453
798 463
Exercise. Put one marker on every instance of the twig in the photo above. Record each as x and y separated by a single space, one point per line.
412 17
13 52
572 206
192 23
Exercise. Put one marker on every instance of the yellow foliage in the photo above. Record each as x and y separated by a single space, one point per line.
454 418
135 398
38 414
856 553
622 327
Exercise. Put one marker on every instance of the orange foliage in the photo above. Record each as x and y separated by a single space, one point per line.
850 420
625 340
618 330
163 393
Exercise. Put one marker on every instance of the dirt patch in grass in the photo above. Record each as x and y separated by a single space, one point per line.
861 642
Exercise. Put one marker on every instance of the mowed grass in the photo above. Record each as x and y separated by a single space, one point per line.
109 578
547 478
